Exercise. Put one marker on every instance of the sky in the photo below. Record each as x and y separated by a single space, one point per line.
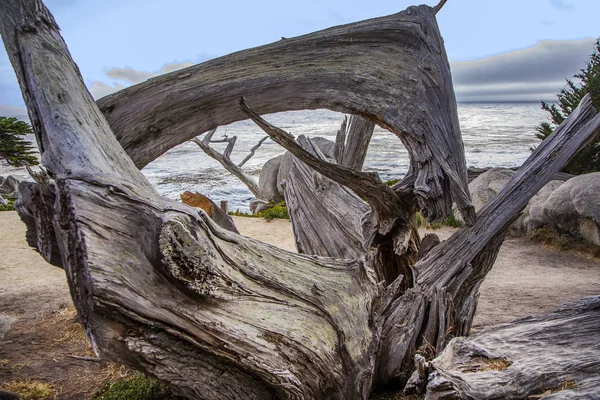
505 50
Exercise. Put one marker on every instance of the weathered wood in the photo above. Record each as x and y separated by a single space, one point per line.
326 216
160 287
448 278
225 159
360 68
352 142
552 356
388 229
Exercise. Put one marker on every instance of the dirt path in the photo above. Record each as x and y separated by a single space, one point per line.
527 279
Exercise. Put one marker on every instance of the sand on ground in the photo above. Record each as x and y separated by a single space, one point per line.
527 279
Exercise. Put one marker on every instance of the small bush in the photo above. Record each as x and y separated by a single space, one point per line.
9 207
238 213
450 221
392 182
276 211
140 387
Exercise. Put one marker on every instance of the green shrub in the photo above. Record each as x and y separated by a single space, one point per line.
13 147
9 207
274 211
450 221
392 182
139 387
588 81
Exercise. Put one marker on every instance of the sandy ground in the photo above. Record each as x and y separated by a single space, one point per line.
527 279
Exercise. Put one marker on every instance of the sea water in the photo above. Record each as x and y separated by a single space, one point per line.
494 135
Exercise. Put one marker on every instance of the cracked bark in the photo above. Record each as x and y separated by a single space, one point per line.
163 289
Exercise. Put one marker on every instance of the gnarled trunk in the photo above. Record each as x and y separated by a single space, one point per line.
163 289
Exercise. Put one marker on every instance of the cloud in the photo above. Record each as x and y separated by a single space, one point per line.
99 89
530 74
14 111
561 5
130 76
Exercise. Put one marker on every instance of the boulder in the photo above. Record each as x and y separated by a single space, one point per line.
3 201
267 181
214 212
325 145
9 188
485 187
257 205
532 217
575 207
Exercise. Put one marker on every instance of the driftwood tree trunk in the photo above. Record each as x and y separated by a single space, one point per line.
163 289
553 357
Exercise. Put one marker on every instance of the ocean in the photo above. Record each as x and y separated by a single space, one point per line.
494 134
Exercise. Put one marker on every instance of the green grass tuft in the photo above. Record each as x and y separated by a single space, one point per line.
450 221
9 207
139 387
275 211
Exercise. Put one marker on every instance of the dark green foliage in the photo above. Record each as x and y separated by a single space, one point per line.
13 148
392 182
139 387
9 207
588 159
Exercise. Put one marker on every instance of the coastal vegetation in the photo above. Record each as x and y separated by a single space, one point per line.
160 288
587 81
14 148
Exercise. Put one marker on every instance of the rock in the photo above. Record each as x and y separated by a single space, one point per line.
267 181
258 204
3 201
5 323
485 187
575 207
532 217
5 395
325 145
214 212
10 187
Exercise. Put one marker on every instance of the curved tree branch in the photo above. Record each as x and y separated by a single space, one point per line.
359 68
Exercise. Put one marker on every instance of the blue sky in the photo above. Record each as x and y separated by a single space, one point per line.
499 50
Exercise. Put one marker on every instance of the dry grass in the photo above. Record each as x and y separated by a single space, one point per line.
492 364
565 385
31 390
427 351
66 322
396 396
551 238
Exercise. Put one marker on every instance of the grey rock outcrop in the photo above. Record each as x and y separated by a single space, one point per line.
532 217
575 207
485 187
9 188
257 205
267 181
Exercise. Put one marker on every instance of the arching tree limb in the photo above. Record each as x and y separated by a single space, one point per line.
163 289
358 68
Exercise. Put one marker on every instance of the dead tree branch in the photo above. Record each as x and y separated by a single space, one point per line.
161 288
225 158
